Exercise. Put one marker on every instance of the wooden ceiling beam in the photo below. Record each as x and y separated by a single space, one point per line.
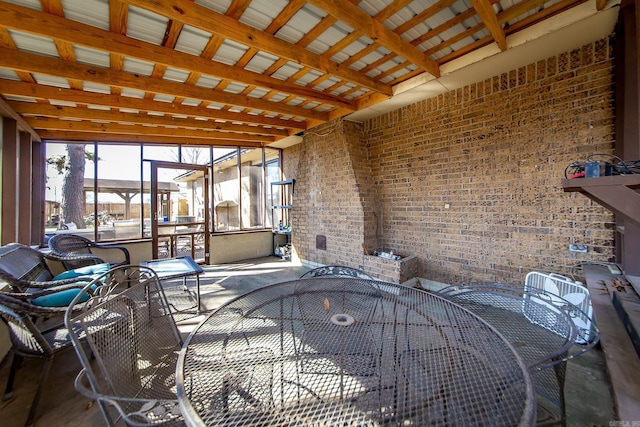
53 135
208 20
30 62
7 111
65 49
118 18
490 20
32 90
32 21
83 113
363 22
84 126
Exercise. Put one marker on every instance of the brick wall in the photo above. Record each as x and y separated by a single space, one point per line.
469 181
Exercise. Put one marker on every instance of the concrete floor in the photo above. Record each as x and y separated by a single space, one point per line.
588 398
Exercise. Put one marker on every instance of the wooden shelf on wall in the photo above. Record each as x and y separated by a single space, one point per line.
616 193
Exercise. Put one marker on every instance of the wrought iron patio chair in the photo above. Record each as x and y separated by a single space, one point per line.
23 268
545 354
130 330
336 270
65 245
35 331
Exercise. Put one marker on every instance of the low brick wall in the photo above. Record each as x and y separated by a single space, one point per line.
391 270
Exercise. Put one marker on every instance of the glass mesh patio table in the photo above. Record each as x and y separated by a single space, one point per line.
345 351
178 268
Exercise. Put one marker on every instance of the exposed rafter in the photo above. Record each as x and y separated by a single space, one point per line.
488 16
357 18
244 70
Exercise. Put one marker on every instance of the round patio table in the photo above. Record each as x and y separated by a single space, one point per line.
336 351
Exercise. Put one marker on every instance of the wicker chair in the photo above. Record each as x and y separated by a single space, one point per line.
24 269
65 245
35 331
130 330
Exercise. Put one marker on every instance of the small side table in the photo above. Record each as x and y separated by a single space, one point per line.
175 268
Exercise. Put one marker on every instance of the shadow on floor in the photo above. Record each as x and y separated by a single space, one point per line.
588 398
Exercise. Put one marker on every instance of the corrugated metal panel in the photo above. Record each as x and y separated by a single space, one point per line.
207 82
235 88
63 103
191 102
287 70
50 80
261 13
192 40
20 98
8 74
91 56
175 75
32 43
136 66
308 78
97 88
219 6
133 93
146 26
261 62
33 4
373 7
90 12
300 23
229 52
257 93
97 107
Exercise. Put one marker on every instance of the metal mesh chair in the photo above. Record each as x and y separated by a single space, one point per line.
336 271
34 331
23 268
131 332
543 333
65 245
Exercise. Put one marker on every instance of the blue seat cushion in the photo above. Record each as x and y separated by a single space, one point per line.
90 270
61 299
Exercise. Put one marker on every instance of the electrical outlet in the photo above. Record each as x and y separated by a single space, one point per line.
574 247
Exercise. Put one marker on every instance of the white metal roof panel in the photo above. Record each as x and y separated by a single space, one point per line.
96 88
230 52
63 103
192 40
35 44
146 26
260 62
33 4
7 74
132 93
48 80
235 88
260 13
136 66
90 12
219 6
207 82
175 75
91 56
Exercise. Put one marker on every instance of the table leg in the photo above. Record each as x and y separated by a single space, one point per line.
198 293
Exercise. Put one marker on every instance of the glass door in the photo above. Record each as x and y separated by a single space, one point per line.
179 211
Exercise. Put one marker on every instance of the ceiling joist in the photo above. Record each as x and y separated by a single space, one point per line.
253 71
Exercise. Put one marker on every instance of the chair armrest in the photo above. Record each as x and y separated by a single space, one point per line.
81 280
21 301
70 262
125 253
149 410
